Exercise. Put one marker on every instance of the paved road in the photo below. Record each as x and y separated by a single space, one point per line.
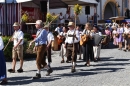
112 70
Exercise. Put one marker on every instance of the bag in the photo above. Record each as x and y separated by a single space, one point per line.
84 39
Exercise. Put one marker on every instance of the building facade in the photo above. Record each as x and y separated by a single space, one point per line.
104 9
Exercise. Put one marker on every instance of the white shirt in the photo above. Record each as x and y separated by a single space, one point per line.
58 30
114 32
69 40
63 34
62 20
127 31
67 16
1 43
99 33
18 35
50 37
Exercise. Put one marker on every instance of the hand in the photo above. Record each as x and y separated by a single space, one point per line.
47 47
30 44
10 39
14 47
65 46
34 49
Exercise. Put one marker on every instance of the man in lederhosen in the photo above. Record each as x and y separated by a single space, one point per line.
50 38
17 50
41 47
72 37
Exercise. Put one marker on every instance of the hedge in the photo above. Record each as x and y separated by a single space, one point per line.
8 50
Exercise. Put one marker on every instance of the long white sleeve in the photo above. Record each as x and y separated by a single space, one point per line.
1 44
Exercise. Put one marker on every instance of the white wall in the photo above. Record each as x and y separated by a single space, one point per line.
82 16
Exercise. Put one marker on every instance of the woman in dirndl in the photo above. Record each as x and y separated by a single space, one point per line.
63 36
3 76
127 38
114 32
120 39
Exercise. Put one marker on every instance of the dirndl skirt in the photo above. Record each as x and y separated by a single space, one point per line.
2 66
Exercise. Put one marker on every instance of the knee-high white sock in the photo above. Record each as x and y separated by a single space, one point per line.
39 71
74 63
47 67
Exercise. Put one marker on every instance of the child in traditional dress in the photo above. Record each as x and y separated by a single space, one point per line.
114 32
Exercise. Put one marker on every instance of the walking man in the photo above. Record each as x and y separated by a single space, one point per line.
40 45
71 43
50 38
17 50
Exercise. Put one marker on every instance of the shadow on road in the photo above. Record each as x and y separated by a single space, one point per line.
28 80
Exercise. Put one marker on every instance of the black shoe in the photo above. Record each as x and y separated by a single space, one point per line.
98 59
62 61
4 82
20 70
95 60
67 61
73 69
124 50
11 70
86 64
38 76
79 58
49 71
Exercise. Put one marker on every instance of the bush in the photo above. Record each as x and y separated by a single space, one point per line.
28 36
8 50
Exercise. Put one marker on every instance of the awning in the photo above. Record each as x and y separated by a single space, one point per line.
117 18
52 3
14 1
81 2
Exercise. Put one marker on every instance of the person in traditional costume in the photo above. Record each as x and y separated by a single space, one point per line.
97 44
59 29
71 41
3 75
114 32
50 38
17 48
62 36
127 38
120 40
88 47
79 47
40 48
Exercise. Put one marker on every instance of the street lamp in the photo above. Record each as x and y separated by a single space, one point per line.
116 5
